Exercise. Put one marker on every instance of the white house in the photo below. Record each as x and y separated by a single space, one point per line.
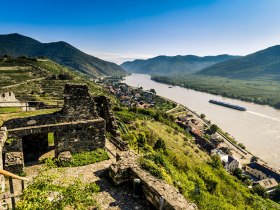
230 163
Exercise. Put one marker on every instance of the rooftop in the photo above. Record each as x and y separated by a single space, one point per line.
268 171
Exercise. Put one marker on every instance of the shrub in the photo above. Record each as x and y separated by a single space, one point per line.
160 145
76 195
260 190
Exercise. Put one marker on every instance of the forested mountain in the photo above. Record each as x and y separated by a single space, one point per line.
174 64
264 62
61 52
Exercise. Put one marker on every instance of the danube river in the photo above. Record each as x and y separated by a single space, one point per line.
258 128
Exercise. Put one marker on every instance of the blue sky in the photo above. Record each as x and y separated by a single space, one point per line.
119 30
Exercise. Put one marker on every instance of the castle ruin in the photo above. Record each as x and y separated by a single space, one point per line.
79 126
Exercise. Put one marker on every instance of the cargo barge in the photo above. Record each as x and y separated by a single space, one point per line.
240 108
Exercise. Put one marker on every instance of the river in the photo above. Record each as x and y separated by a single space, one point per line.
258 128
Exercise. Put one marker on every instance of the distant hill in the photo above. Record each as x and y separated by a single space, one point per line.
264 62
174 64
61 52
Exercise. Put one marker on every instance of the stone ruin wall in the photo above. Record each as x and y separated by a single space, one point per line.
104 110
126 169
79 126
3 138
8 99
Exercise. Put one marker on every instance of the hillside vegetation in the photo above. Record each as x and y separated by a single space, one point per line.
260 90
169 153
264 62
40 79
174 64
61 52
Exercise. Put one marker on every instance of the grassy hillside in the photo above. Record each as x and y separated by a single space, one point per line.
60 52
180 162
174 64
264 62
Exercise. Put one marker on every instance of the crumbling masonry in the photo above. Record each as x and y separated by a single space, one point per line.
79 126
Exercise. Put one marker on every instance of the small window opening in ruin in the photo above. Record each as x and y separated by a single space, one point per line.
10 94
3 95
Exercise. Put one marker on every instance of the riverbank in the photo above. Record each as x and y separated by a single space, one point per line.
263 91
240 153
258 128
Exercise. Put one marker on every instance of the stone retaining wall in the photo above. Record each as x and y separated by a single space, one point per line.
126 169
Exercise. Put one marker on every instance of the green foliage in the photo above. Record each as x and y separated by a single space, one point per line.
5 110
86 158
141 139
51 139
260 63
79 159
202 116
260 190
216 161
213 128
241 146
173 64
200 179
44 194
160 145
254 159
261 90
153 91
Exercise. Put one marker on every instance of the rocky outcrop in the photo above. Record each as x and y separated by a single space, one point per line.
156 191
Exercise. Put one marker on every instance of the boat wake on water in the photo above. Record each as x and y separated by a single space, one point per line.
264 116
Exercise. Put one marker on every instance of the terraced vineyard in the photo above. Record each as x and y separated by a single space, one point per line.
40 80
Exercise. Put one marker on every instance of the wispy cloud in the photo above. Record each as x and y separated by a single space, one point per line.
119 58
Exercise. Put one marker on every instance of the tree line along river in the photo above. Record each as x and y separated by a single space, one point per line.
258 128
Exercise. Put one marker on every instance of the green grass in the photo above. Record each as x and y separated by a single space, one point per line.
68 195
199 178
8 116
79 159
86 158
264 90
51 139
6 110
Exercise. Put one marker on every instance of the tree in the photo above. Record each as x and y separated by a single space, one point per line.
260 190
202 116
242 146
216 161
213 128
160 145
142 139
153 91
254 159
238 173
